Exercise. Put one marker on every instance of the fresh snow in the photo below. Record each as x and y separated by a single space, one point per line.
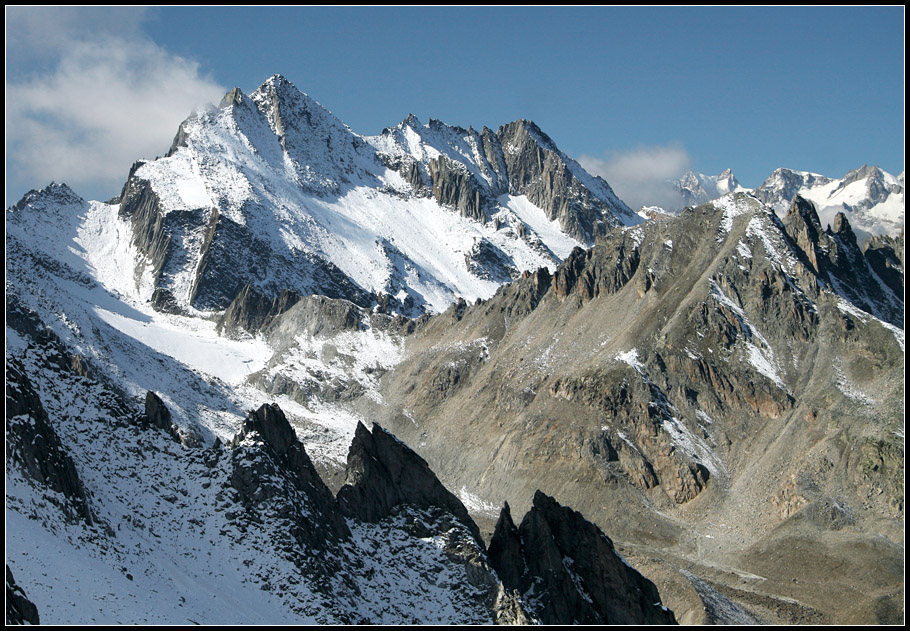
631 357
847 307
192 342
549 231
733 206
273 175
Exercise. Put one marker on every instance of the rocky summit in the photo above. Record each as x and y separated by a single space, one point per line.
294 374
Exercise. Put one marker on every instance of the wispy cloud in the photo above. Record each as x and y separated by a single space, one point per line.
87 94
641 177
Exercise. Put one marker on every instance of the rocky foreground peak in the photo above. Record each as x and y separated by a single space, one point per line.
568 570
384 473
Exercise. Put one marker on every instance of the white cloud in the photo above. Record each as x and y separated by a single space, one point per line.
641 177
101 96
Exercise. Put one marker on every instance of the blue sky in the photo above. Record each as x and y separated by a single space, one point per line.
664 89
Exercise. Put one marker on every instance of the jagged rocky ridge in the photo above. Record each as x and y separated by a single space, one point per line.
395 546
715 391
649 371
668 427
271 193
568 570
870 198
19 609
120 500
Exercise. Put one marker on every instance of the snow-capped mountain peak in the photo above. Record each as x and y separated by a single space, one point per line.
872 199
698 188
272 190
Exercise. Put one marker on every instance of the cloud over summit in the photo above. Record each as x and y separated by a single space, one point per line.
97 95
642 177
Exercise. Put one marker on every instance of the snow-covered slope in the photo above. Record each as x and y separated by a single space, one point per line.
274 191
153 531
167 527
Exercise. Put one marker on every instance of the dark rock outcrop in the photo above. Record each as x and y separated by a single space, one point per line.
251 311
568 571
140 204
453 186
35 448
157 415
233 257
886 256
274 477
19 609
834 256
383 473
489 262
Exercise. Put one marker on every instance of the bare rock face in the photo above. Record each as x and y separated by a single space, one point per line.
886 256
723 366
873 282
227 258
537 169
33 446
274 476
157 415
251 311
383 473
453 186
19 609
568 572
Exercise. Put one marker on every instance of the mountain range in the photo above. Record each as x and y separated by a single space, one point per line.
871 199
296 374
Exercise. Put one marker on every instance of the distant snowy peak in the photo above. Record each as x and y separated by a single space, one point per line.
698 188
870 198
785 184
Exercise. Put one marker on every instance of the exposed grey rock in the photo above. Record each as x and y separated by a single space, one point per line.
876 189
837 260
251 312
488 262
505 551
568 571
310 134
384 473
784 184
453 186
473 169
686 366
537 169
885 256
232 260
141 205
234 257
19 609
233 97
